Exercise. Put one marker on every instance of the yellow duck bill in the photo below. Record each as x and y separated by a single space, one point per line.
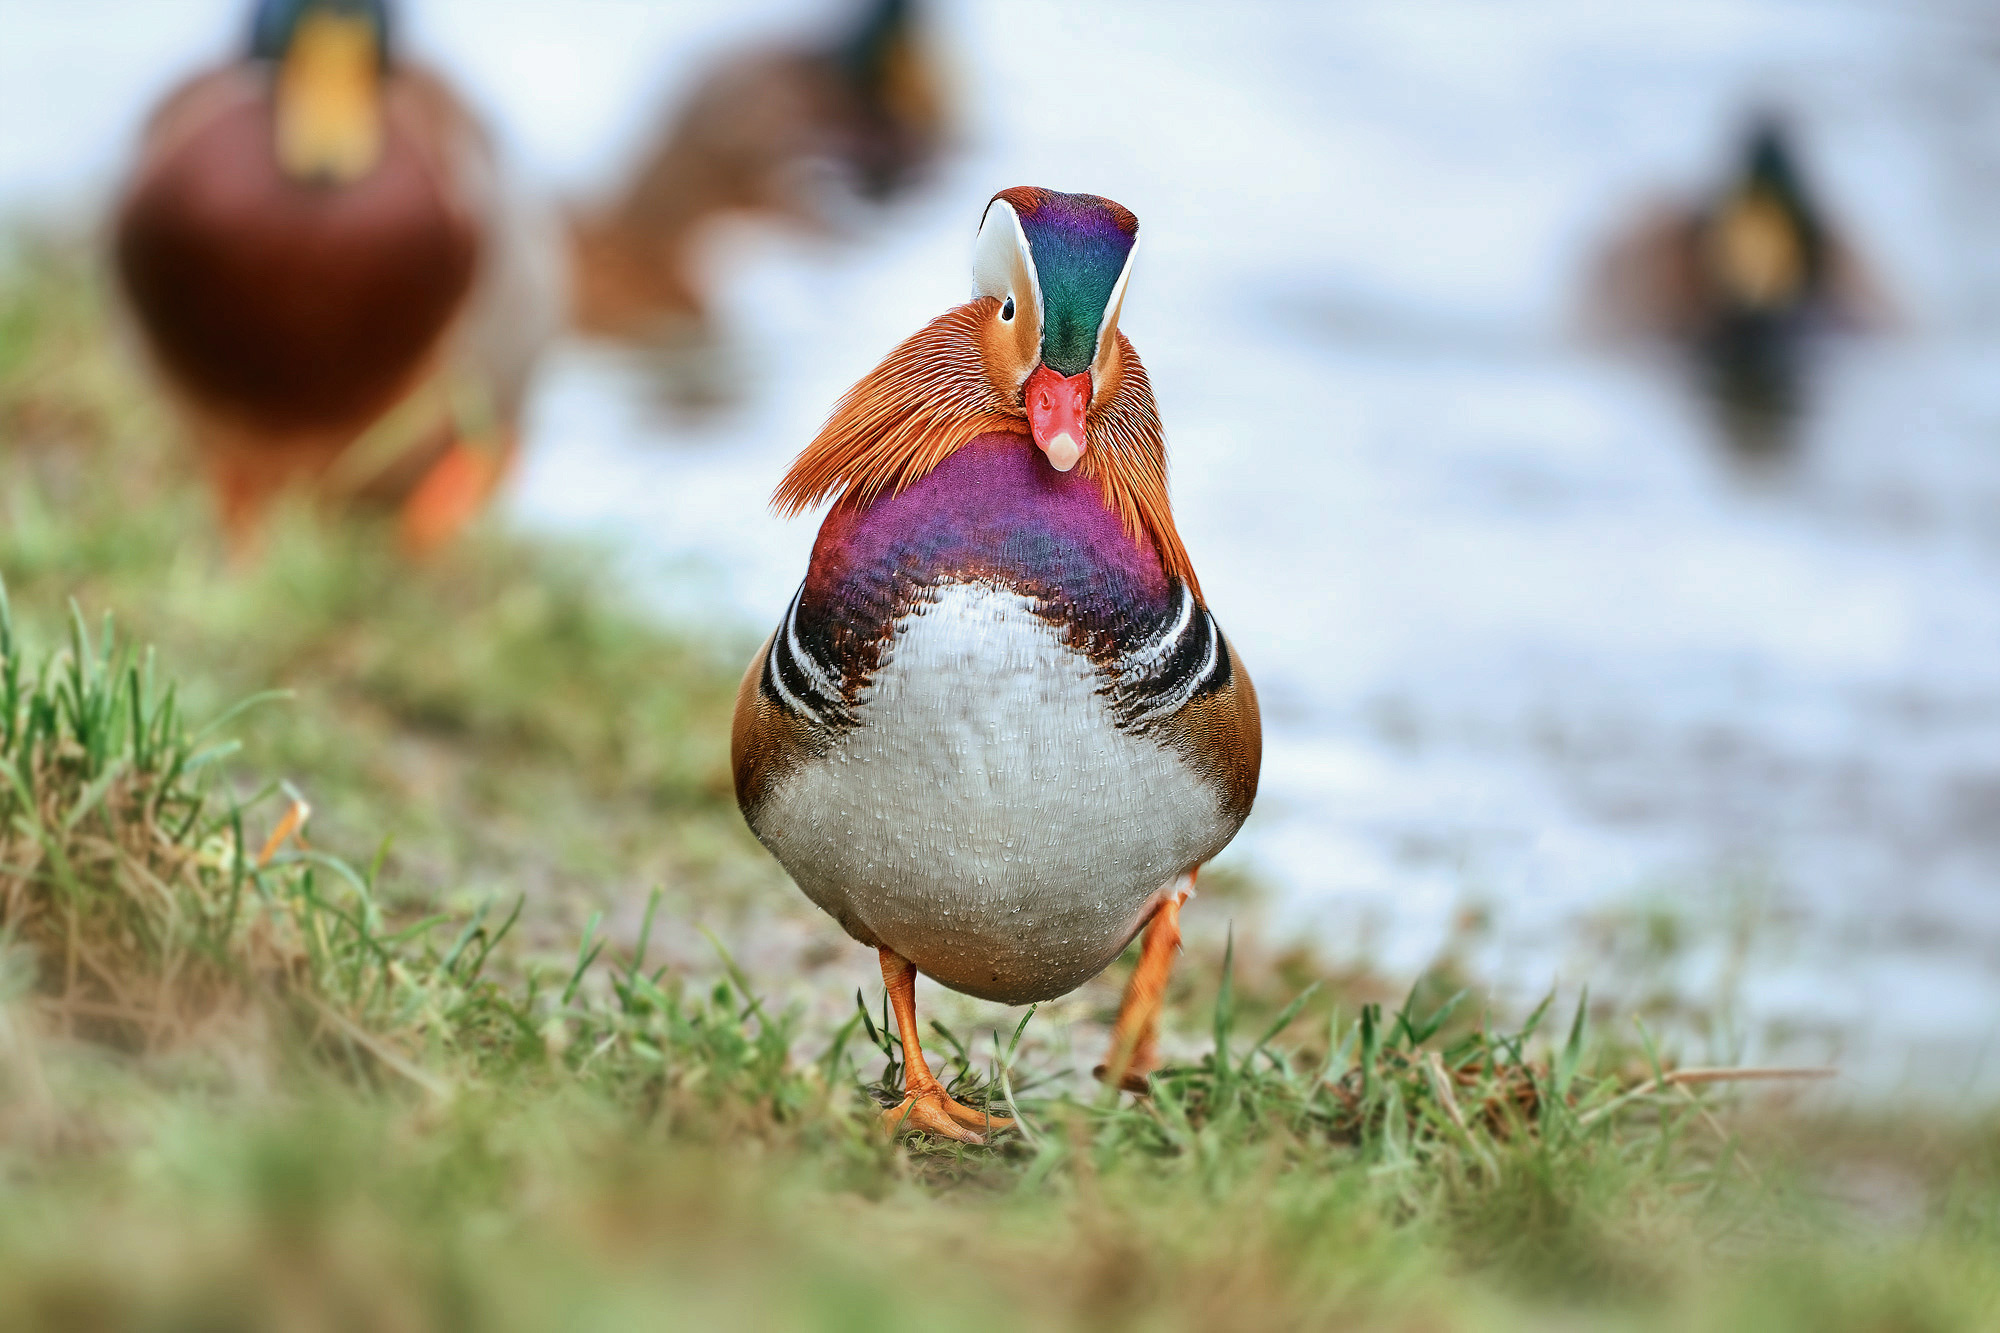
329 104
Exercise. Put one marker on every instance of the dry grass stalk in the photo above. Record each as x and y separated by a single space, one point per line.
130 891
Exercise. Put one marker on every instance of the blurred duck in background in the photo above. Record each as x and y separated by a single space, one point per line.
997 731
334 286
787 133
1745 283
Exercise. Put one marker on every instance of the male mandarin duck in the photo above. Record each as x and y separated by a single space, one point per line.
748 142
332 283
1743 281
997 731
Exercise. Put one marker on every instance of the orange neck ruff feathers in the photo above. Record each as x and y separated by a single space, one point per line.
933 393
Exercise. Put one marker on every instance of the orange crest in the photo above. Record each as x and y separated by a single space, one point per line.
934 393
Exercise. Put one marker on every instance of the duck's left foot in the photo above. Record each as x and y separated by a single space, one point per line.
933 1111
926 1105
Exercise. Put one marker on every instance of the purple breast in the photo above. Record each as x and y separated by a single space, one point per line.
994 510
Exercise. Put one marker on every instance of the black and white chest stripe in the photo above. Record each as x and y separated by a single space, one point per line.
1158 678
1150 682
799 681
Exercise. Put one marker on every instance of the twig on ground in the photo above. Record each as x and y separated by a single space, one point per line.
1684 1078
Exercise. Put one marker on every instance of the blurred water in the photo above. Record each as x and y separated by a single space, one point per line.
1531 651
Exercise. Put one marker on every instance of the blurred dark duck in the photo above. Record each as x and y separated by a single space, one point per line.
1745 283
330 278
997 732
756 138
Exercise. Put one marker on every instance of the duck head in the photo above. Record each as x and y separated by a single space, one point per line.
329 58
1765 242
898 104
1057 265
1036 348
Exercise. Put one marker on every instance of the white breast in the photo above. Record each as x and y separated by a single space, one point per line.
985 818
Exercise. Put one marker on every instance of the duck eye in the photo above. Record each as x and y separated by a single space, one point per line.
1007 309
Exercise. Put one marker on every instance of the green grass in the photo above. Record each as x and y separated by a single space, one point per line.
528 1033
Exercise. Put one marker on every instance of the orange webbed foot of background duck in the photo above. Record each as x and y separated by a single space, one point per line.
449 497
926 1105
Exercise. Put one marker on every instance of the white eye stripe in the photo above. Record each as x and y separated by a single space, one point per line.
1002 263
1108 323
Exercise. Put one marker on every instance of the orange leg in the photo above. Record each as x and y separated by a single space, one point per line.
244 494
926 1105
448 497
1134 1040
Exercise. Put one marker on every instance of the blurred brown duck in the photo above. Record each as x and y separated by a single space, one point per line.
1744 281
330 279
748 141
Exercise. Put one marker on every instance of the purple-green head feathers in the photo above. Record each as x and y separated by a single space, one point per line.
1076 250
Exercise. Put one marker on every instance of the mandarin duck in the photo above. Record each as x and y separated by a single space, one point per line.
747 142
997 731
333 284
1743 282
